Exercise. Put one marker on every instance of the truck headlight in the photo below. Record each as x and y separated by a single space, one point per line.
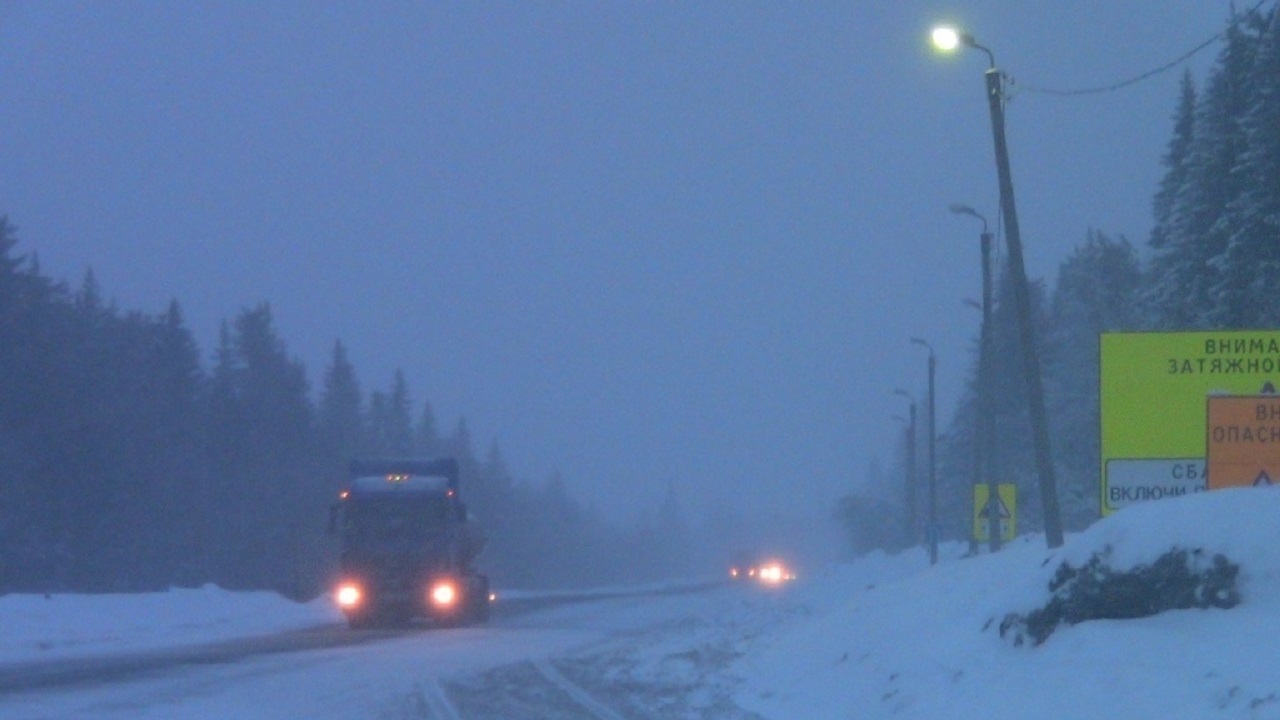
348 595
444 594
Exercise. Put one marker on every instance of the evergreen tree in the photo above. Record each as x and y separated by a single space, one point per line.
1185 277
34 342
558 534
278 504
1014 447
379 440
341 418
175 445
92 436
427 442
399 430
1248 270
1172 262
124 466
493 495
1094 294
958 469
867 523
1175 161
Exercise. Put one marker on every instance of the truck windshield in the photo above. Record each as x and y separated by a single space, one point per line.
393 520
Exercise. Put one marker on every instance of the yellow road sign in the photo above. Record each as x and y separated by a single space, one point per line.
1006 506
1152 393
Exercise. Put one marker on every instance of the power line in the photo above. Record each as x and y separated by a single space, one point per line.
1150 73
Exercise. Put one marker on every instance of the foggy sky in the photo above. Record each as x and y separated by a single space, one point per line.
633 242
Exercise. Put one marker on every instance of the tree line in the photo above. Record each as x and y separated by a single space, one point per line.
1212 261
126 465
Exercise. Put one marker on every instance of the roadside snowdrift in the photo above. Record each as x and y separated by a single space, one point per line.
928 646
37 627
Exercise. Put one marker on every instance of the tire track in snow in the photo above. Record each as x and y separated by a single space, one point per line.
579 695
433 694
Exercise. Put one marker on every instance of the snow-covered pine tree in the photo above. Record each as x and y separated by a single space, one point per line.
1184 274
1160 291
1248 270
1094 293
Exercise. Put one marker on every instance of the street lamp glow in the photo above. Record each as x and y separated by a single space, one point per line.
946 38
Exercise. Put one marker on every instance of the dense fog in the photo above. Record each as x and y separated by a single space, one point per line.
648 273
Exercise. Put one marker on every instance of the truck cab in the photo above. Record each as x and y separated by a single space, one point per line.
408 545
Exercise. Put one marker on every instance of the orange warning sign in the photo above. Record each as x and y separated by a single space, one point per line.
1242 444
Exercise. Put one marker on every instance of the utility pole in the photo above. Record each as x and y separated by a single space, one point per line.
932 531
984 429
909 485
1026 332
986 423
947 39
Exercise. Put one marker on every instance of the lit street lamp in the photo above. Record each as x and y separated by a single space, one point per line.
910 489
949 39
986 449
931 532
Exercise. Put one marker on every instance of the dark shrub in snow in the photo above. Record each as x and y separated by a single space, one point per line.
1179 579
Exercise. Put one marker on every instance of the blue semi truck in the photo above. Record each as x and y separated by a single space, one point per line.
408 545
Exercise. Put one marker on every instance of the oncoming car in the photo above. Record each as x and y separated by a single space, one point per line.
768 572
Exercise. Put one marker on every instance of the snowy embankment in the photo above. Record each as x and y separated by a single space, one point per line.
926 644
39 627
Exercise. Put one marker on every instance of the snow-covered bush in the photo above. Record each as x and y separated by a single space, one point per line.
1179 579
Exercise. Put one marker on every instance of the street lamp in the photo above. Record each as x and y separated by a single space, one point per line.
986 414
931 532
910 489
949 39
946 38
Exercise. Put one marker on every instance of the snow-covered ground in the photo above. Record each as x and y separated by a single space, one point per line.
38 627
910 642
883 637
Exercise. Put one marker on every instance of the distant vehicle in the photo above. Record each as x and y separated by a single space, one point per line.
774 573
408 546
742 569
769 572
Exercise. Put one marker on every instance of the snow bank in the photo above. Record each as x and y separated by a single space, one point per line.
39 627
926 645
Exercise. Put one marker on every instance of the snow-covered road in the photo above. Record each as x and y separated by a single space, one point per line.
654 655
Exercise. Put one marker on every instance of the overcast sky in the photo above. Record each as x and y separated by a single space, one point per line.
635 242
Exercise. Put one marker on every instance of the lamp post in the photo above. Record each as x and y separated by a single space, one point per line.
910 488
931 532
986 415
949 39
